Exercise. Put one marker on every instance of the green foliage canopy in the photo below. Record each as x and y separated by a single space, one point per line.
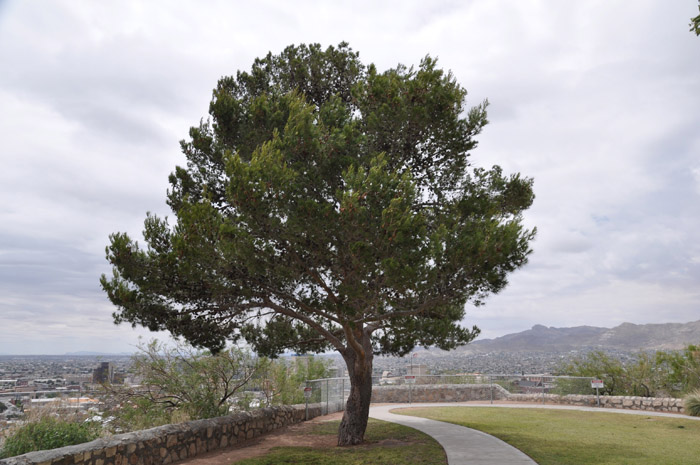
600 365
682 368
323 205
284 381
179 383
664 373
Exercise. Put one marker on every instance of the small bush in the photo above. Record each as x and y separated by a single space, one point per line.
47 433
692 403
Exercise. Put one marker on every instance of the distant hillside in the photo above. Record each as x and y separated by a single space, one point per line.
84 353
627 336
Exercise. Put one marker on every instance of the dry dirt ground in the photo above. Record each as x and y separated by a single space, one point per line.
294 435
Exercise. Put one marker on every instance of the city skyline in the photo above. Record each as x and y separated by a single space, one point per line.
598 102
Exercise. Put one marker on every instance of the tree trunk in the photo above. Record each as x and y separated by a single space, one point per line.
352 427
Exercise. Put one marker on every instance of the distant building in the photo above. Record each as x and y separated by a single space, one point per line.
104 374
25 388
389 378
118 378
64 404
78 378
418 370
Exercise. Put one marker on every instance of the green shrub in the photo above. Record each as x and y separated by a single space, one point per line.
567 386
692 403
47 433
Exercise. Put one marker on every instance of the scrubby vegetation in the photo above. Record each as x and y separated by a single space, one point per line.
661 374
177 383
692 403
180 383
48 433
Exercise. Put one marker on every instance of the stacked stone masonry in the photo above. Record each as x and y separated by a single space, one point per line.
437 393
657 404
171 443
465 393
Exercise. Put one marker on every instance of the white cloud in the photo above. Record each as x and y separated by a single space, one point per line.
594 100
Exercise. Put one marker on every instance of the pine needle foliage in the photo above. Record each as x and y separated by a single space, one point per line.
326 205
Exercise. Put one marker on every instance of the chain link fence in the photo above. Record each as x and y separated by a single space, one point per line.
332 392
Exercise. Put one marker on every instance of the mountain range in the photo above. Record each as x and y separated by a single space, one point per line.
625 337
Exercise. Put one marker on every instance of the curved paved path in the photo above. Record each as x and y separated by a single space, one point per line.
466 446
463 446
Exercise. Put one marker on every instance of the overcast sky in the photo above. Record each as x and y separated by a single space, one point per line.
598 101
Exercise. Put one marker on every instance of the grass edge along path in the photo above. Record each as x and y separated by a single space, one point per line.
560 437
385 444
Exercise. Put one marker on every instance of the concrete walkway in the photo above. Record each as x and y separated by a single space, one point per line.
464 446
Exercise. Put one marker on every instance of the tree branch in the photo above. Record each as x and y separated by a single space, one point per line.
376 317
330 337
306 307
352 341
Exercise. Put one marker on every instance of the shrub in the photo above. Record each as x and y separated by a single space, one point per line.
47 433
181 383
566 386
692 403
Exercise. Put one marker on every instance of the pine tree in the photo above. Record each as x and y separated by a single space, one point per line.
327 206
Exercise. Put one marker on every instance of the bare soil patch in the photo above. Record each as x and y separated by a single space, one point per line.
298 435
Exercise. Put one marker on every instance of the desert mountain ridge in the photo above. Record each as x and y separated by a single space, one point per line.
625 337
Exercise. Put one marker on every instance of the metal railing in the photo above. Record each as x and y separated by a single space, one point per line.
331 393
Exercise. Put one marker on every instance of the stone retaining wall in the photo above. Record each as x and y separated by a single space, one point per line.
657 404
467 392
437 393
170 443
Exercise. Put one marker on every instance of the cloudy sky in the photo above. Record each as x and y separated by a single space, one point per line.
598 101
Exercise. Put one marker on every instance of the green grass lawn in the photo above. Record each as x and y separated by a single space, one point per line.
385 444
559 437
